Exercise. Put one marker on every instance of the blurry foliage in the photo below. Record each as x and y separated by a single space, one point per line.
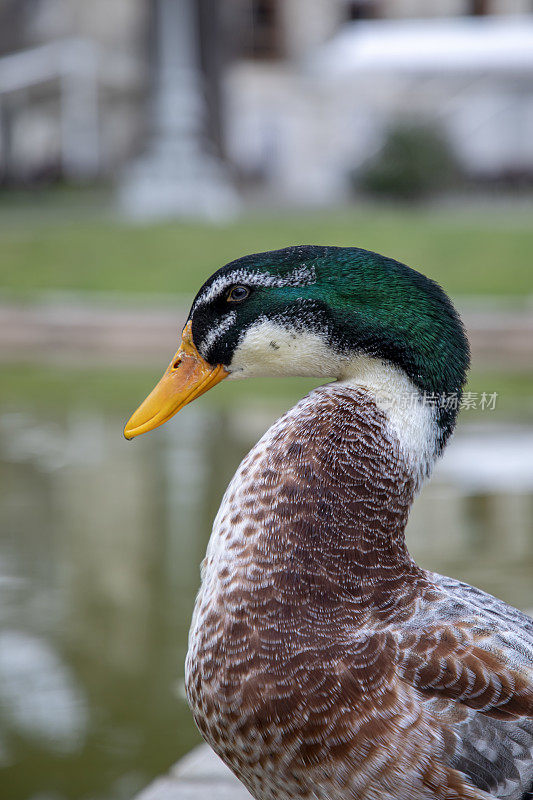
414 162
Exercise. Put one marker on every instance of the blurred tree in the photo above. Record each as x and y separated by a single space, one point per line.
414 161
479 8
363 9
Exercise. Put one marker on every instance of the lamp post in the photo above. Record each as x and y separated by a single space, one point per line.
178 176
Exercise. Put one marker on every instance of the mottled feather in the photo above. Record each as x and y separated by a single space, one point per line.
323 662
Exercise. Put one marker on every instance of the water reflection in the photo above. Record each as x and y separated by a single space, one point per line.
39 695
99 563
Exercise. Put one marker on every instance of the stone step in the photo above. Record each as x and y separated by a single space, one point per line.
200 775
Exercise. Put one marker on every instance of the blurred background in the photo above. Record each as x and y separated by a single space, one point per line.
143 144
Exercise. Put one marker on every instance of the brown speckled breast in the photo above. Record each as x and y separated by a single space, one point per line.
294 666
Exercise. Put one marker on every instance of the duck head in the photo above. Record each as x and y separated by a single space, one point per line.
326 312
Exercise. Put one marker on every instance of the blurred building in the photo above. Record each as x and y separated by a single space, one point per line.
282 90
318 84
66 50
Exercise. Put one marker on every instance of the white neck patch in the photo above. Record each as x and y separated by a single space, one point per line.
410 416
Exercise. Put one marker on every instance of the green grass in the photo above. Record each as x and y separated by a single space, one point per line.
120 390
468 253
514 389
27 386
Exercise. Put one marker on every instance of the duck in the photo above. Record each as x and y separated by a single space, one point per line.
323 662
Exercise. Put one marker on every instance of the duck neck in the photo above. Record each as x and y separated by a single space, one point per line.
329 488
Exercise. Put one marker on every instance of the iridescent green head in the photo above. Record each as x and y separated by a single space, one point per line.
312 310
327 305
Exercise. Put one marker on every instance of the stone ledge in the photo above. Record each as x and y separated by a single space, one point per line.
200 775
64 332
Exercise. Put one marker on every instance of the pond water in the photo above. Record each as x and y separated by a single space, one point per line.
99 564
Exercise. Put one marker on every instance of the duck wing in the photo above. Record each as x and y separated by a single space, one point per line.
470 656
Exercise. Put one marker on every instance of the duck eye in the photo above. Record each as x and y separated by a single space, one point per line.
238 293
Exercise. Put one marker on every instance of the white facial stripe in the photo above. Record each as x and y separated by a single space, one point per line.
215 333
301 275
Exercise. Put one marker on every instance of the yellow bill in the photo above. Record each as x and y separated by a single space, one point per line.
188 376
